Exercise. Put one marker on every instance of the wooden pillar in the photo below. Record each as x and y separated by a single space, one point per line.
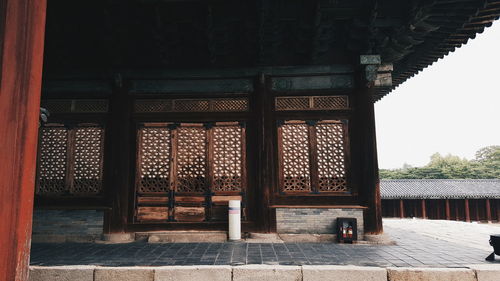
438 209
22 30
265 158
118 150
447 208
498 209
401 208
467 211
415 208
476 205
364 152
488 210
424 213
457 213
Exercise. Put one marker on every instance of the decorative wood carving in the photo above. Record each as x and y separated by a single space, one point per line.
313 156
295 158
154 159
227 162
71 160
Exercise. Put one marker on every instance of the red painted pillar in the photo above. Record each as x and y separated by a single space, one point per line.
424 213
488 210
401 208
467 211
498 210
447 208
21 56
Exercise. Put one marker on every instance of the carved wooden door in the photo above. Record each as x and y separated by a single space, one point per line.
188 172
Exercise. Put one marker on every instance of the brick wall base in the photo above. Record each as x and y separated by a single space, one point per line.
314 220
67 225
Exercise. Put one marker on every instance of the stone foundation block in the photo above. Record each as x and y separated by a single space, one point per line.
338 272
486 272
118 237
189 273
61 273
267 273
124 274
430 274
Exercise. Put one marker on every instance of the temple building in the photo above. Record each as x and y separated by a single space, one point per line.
161 111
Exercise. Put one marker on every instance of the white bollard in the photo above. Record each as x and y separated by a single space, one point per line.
234 220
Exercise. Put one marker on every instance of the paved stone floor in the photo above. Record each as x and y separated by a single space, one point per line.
473 234
413 249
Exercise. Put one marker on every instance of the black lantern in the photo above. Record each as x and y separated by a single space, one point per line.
495 242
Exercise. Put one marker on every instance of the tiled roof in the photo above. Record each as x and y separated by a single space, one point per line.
455 23
439 189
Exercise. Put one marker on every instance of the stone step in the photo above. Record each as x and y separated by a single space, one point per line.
182 236
485 272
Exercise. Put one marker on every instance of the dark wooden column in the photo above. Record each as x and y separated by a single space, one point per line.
467 211
447 208
265 146
424 213
364 152
22 30
488 210
119 150
401 208
498 209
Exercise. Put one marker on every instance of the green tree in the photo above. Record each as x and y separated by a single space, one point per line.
486 165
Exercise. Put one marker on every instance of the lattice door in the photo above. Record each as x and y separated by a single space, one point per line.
88 155
295 157
70 160
52 161
191 171
227 158
188 172
331 157
154 159
312 157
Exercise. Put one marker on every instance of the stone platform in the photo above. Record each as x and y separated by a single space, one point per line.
420 253
263 273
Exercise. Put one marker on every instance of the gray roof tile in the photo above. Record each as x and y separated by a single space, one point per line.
438 188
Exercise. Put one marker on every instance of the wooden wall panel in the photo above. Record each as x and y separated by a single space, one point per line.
22 27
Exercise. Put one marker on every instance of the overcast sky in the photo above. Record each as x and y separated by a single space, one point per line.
452 107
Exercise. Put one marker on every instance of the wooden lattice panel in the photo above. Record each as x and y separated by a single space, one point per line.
295 158
191 159
292 103
227 162
191 105
88 152
330 102
154 159
52 160
76 105
57 106
227 105
144 106
90 106
331 157
312 103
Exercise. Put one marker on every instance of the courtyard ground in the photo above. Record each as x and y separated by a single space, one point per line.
419 243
